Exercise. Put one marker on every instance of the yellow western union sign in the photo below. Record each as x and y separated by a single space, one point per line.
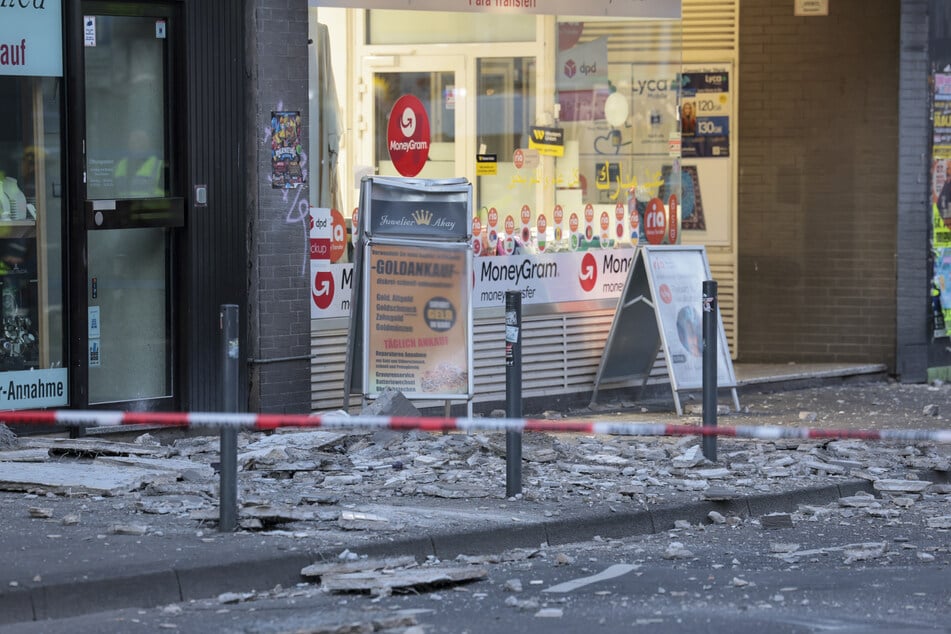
548 141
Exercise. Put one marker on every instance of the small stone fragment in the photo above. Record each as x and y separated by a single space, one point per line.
776 520
513 585
40 512
676 550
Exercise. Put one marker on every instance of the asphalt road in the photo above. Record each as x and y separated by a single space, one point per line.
835 569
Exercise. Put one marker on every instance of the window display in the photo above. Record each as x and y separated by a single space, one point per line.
31 280
568 128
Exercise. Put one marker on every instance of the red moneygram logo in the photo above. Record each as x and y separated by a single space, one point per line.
323 290
588 275
407 135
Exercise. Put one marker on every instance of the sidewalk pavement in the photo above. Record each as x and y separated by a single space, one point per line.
72 549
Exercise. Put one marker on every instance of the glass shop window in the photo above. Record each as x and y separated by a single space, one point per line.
31 265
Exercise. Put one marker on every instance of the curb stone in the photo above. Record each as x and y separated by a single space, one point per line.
61 597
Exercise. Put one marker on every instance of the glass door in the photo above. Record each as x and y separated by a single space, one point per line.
132 199
439 83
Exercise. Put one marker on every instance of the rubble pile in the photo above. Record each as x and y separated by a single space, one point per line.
385 482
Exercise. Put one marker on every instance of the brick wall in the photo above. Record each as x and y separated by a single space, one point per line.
818 141
914 272
279 274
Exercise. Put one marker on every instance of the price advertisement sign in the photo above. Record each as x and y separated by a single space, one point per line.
418 311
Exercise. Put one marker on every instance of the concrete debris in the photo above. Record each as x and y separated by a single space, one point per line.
359 565
8 440
716 518
355 521
852 552
676 550
24 455
776 520
390 402
550 613
777 547
864 552
931 410
690 458
65 477
720 494
386 581
512 585
40 512
91 447
129 529
338 484
901 486
943 522
230 598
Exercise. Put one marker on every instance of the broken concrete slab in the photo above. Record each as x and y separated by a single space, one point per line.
177 466
62 478
24 455
359 565
92 447
357 521
406 579
310 440
901 486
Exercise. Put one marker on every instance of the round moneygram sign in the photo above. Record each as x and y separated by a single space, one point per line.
407 135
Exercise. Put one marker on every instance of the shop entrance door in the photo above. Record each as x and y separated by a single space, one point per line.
439 83
132 202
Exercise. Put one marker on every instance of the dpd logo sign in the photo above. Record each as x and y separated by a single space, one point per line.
407 135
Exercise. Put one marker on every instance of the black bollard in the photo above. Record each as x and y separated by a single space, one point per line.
228 449
513 391
710 367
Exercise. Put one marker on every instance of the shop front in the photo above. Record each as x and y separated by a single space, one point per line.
94 257
33 367
569 128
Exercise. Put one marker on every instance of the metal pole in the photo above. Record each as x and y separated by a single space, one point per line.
228 487
513 391
710 367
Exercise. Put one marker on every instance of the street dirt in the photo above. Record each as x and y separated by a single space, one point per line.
882 404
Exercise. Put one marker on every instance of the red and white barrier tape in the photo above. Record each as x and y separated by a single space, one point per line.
261 422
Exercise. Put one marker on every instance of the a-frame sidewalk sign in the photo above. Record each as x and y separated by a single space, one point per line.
661 308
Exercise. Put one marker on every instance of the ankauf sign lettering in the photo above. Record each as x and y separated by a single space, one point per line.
31 38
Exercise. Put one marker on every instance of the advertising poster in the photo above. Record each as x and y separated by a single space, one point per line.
417 320
941 205
286 150
581 76
542 278
705 112
677 278
653 94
